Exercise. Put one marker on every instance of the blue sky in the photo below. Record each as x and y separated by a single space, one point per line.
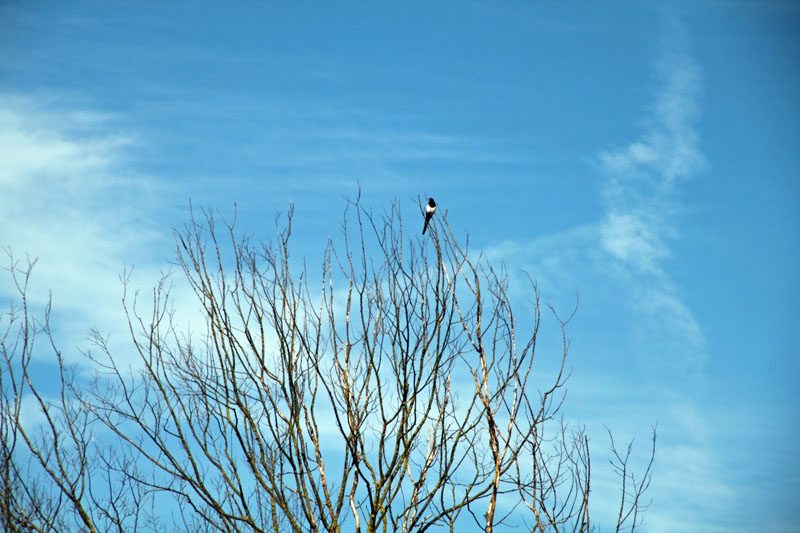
639 154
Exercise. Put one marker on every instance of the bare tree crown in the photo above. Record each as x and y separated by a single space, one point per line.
388 389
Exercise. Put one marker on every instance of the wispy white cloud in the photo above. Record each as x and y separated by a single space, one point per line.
635 237
623 261
642 199
71 201
640 193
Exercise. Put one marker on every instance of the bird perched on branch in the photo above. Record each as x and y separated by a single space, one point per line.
430 209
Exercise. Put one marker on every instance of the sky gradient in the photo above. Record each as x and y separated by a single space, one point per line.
642 156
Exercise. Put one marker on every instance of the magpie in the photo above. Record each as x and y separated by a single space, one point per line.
430 209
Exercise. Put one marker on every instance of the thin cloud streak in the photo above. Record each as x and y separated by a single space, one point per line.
642 177
642 200
622 262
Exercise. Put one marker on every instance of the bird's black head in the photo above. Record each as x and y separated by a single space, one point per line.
431 202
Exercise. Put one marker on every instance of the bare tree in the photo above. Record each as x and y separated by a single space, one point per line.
390 391
48 494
